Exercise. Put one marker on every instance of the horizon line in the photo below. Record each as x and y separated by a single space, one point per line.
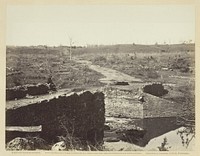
61 45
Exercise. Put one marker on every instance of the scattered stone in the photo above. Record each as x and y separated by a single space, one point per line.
19 144
106 128
165 69
141 99
111 139
59 146
29 143
121 83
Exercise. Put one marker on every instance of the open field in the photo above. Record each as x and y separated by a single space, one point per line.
32 65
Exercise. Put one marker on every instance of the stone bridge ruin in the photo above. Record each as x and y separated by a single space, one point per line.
82 115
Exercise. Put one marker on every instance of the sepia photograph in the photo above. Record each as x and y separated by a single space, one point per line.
100 78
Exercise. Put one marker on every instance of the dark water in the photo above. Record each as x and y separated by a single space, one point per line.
153 127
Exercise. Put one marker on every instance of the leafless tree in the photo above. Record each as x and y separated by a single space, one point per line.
70 47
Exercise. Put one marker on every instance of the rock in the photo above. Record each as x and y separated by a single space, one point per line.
29 143
111 139
121 83
106 128
59 146
20 144
165 69
141 99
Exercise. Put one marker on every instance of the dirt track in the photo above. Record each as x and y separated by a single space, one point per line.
111 75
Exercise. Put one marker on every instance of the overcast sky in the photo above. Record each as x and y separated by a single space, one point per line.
51 25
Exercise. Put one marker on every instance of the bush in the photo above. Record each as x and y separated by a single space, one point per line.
182 64
16 92
100 59
164 145
152 74
38 89
19 92
155 89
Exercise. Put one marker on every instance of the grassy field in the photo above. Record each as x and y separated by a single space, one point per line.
32 65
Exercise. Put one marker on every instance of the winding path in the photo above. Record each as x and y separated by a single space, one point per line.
111 75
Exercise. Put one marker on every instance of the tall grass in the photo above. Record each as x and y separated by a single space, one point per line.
74 143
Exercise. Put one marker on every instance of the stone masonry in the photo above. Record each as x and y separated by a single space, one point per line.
81 115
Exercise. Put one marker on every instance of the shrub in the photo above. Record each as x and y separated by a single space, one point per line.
155 89
100 59
72 142
164 145
152 74
16 92
19 92
181 64
38 89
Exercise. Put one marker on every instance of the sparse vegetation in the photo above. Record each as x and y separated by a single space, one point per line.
180 63
164 145
36 65
186 135
178 59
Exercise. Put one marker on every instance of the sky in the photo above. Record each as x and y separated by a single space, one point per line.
99 24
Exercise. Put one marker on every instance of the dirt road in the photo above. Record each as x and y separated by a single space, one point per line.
111 75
